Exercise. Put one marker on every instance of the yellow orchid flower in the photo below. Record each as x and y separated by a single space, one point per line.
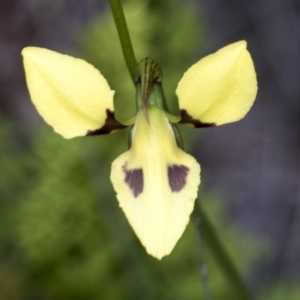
155 180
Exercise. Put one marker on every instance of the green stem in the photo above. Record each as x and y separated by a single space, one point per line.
210 236
126 45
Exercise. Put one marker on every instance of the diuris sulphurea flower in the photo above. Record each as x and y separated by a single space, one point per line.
155 180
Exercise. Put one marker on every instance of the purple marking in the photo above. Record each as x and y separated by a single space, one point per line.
134 179
177 177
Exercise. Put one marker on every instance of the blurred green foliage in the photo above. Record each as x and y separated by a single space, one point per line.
283 290
62 233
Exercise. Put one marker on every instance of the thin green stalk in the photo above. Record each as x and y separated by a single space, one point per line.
203 268
212 240
126 45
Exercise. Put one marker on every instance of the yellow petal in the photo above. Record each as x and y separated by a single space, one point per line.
156 184
221 87
70 94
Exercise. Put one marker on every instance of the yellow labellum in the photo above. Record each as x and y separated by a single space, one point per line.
221 87
69 93
156 183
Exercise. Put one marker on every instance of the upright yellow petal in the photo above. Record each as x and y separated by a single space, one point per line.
220 88
156 183
70 94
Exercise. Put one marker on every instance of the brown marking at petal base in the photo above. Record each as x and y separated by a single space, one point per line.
134 179
187 119
111 124
177 177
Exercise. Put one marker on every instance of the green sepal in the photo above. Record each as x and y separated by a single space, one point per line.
178 136
172 118
130 121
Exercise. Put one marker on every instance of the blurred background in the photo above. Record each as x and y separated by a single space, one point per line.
62 234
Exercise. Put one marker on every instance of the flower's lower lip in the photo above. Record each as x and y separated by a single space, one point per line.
156 183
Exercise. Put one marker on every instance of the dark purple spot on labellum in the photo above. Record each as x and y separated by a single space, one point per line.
134 179
177 177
